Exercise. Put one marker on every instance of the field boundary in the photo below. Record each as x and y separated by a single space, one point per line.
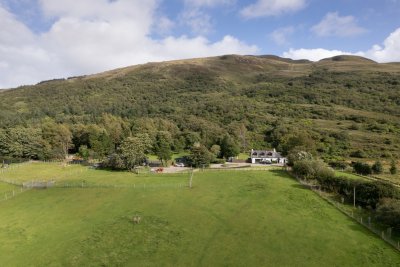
373 178
384 235
11 194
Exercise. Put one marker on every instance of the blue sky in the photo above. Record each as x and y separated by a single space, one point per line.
45 39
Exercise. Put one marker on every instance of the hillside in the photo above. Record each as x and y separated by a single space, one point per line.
347 106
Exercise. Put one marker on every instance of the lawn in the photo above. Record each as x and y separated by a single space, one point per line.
229 218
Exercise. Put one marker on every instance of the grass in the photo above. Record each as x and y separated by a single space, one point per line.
243 156
6 188
350 175
229 218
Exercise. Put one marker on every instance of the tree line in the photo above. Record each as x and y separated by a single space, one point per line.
122 143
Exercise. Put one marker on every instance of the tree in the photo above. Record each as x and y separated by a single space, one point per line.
162 147
84 152
312 169
393 167
215 150
228 147
377 167
59 137
132 152
200 156
297 155
100 142
115 127
22 142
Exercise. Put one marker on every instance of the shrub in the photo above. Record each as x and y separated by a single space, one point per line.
377 167
362 168
393 167
298 155
312 169
338 164
388 212
358 154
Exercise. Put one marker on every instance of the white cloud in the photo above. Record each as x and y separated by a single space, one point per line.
313 54
265 8
198 21
88 38
195 14
279 36
389 52
208 3
334 25
164 25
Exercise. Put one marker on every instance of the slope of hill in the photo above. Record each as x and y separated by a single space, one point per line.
346 105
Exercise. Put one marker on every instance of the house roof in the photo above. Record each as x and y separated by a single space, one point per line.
265 154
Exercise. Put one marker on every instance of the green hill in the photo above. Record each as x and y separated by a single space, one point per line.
347 106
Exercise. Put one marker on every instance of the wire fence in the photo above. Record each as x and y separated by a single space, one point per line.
244 169
367 219
12 193
85 184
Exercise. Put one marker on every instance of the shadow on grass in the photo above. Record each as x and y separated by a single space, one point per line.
282 174
300 186
285 175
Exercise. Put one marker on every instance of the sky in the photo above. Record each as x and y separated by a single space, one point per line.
48 39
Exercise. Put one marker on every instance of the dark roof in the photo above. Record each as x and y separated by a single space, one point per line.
265 154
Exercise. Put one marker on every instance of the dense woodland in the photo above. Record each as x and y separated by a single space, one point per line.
339 108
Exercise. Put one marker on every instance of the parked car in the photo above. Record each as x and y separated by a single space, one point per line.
179 164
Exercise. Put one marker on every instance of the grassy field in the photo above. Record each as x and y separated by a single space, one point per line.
350 176
229 218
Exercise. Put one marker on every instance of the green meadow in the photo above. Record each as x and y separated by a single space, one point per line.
228 218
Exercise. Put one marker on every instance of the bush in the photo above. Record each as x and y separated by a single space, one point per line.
377 167
312 169
218 161
362 168
341 165
368 194
304 169
358 154
388 212
393 167
298 155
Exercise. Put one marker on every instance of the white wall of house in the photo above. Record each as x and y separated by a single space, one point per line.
259 160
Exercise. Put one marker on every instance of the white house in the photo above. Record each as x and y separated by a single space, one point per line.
267 157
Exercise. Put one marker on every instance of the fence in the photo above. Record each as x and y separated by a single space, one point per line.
84 184
10 194
367 221
244 169
374 178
